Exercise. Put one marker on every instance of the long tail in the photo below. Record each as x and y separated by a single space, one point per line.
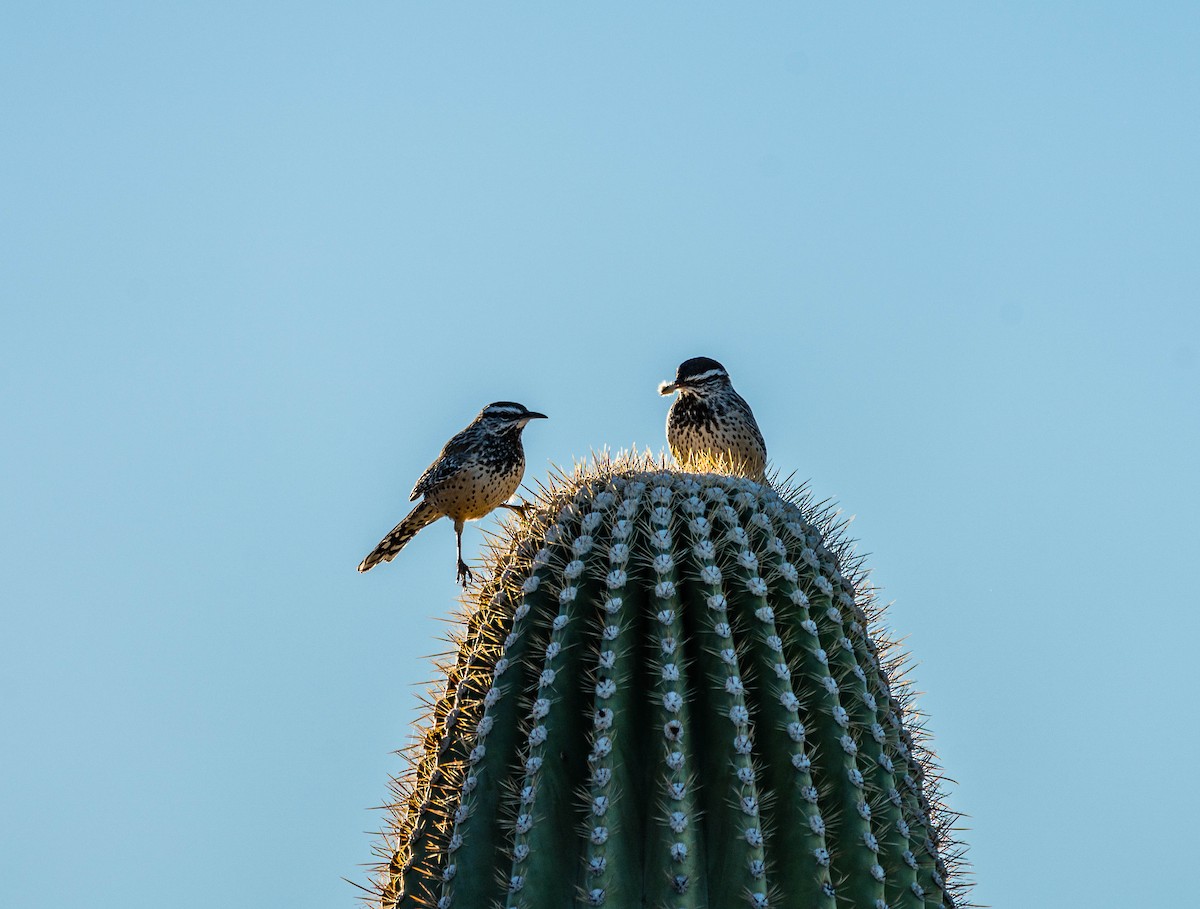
419 517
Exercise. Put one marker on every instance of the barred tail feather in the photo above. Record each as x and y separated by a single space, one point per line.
419 517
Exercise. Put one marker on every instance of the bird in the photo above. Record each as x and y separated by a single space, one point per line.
709 420
477 471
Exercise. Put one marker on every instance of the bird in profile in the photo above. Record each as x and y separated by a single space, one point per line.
709 421
477 471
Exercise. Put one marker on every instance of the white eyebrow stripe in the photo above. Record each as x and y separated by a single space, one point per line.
707 375
504 411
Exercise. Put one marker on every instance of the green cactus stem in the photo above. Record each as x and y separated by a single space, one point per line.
672 691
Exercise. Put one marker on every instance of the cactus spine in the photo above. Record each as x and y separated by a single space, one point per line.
671 692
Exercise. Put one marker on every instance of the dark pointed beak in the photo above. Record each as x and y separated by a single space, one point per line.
534 415
667 388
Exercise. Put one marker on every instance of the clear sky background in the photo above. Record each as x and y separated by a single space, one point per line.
259 261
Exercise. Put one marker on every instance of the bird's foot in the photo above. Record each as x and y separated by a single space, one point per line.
464 573
522 509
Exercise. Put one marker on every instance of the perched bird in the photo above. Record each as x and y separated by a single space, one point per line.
476 472
711 420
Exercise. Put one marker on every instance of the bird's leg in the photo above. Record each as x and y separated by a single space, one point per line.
522 509
464 573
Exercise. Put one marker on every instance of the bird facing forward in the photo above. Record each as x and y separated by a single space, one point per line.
711 420
477 471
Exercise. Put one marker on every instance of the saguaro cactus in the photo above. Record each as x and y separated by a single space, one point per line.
671 692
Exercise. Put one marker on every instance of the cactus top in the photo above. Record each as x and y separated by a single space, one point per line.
671 692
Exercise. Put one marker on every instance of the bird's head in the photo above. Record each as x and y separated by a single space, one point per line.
699 375
507 414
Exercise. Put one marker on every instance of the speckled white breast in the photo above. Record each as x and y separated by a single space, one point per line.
474 491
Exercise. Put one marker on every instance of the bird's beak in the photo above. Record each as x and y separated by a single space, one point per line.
534 415
667 388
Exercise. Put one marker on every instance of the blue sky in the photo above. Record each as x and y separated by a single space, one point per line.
260 262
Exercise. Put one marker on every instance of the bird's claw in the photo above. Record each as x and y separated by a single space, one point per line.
464 573
522 509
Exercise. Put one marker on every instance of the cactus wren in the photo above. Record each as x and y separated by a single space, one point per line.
476 472
710 419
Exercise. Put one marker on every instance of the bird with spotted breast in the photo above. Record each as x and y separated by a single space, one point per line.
477 471
711 420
